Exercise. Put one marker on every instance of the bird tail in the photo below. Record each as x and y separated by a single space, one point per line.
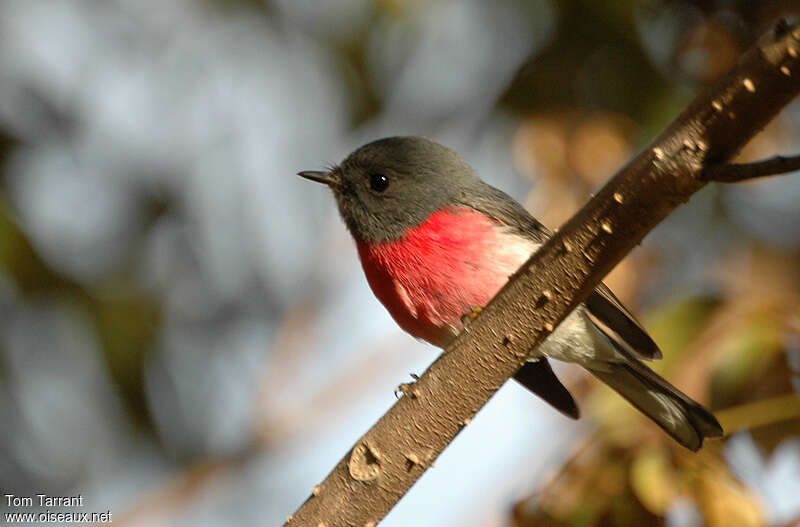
681 417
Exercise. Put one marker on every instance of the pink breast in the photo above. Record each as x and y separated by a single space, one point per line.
439 271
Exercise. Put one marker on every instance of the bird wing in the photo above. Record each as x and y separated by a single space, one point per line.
604 309
538 377
615 321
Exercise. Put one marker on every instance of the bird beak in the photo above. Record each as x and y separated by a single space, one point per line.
329 178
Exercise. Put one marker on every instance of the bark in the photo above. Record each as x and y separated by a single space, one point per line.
397 450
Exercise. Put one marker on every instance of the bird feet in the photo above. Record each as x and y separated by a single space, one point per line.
407 388
467 319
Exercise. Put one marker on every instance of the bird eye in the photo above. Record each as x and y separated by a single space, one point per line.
378 182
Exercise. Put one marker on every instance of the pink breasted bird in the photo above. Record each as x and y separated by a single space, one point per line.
436 242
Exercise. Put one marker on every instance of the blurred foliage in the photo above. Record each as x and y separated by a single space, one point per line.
610 484
724 351
124 316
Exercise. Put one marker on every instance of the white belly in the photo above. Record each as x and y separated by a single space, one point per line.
577 340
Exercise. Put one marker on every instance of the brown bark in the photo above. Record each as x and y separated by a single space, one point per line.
397 450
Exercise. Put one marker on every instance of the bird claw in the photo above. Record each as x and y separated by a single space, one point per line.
467 319
407 388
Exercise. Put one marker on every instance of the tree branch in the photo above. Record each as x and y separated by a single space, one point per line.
736 172
397 450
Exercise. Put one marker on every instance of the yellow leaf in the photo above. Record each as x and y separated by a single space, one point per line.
653 480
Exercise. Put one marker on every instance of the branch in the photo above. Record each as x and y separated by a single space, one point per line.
735 172
397 450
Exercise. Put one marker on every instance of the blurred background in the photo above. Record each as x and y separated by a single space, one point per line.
186 337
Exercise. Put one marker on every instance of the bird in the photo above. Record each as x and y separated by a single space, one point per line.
436 243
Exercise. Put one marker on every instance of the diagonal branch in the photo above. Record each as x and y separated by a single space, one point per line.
736 172
397 450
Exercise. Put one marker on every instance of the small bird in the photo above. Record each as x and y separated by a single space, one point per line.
436 244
